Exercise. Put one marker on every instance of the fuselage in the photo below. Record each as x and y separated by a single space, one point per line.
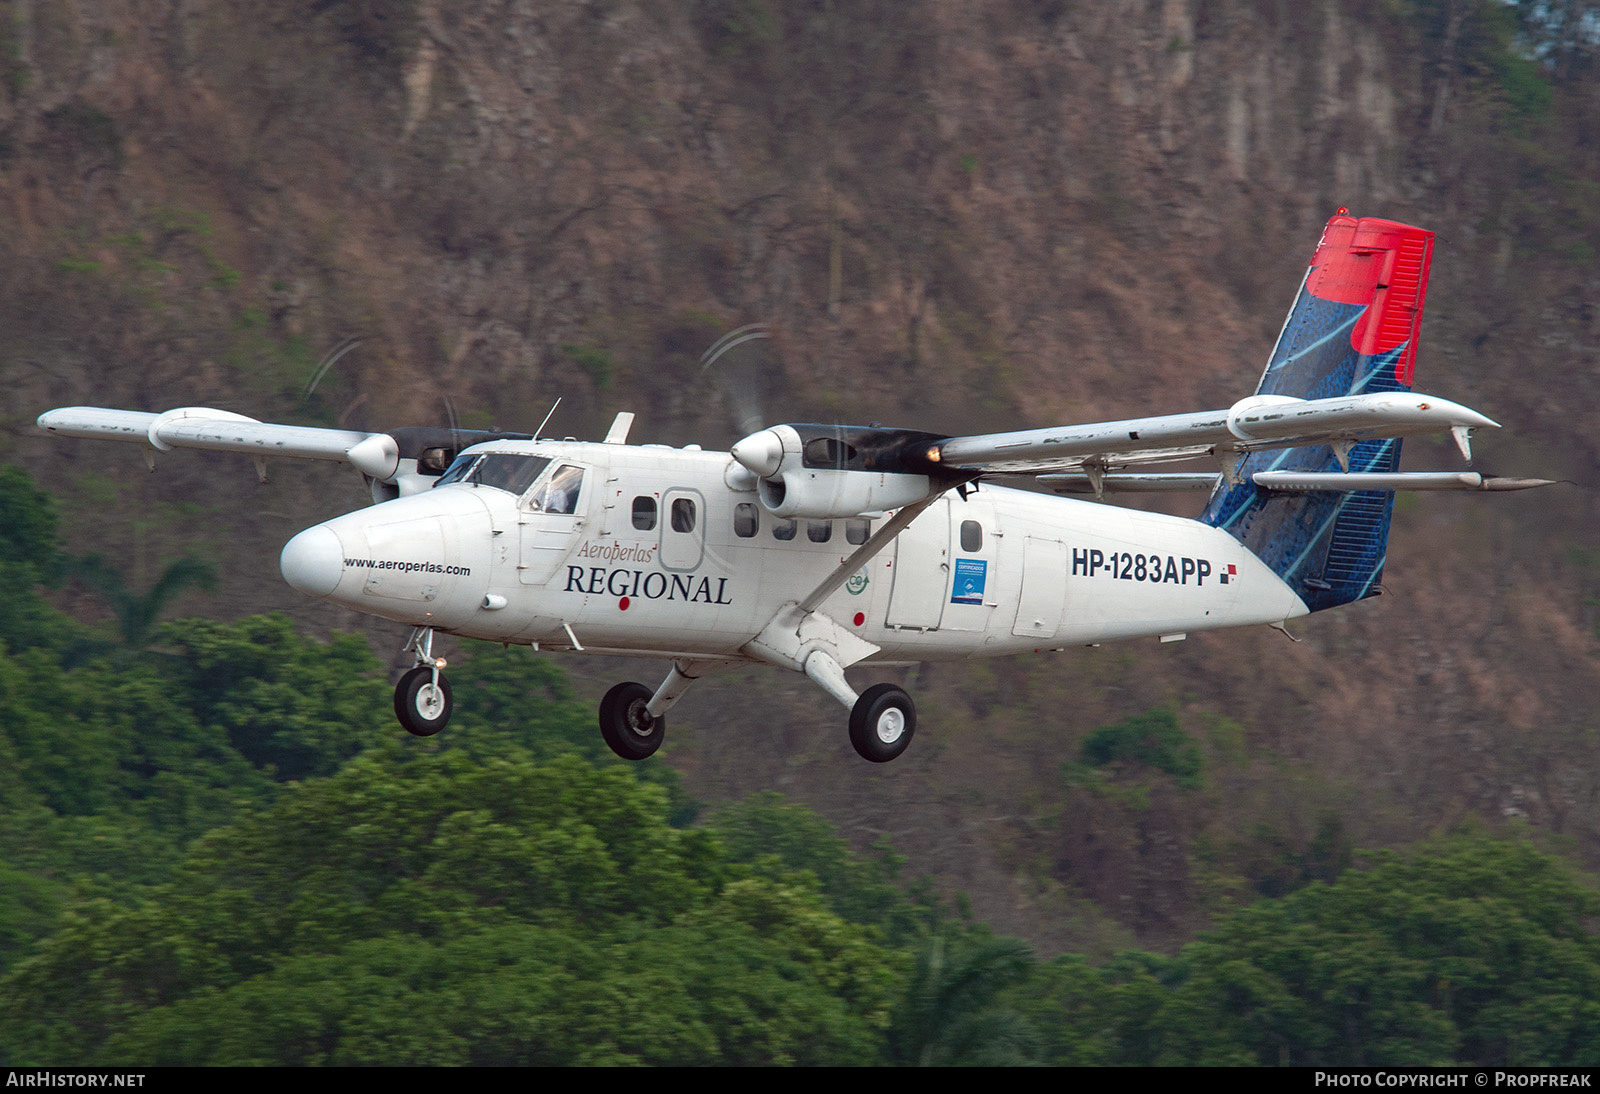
655 551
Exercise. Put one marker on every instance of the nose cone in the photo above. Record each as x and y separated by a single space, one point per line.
313 561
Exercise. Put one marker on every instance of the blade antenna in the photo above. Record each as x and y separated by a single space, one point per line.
547 418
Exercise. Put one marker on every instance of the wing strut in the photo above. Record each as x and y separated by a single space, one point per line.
864 554
800 637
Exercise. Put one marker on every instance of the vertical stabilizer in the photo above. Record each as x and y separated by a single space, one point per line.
1352 330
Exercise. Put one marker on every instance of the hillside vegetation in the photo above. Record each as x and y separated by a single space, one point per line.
217 852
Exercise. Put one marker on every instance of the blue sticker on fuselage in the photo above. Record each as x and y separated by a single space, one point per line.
968 585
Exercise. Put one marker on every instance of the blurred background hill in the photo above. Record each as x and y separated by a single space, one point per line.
952 217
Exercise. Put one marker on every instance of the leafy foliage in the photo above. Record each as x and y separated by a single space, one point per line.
1152 739
214 849
316 930
1475 950
778 838
137 612
951 1013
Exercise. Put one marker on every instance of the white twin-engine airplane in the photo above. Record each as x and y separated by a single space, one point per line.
816 547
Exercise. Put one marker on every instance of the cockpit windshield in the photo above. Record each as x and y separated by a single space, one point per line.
501 470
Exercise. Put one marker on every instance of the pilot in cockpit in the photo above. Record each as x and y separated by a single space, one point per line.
558 493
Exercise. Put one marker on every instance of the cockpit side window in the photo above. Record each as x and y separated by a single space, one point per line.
558 493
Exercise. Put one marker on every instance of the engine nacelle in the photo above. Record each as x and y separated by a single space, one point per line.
821 494
826 471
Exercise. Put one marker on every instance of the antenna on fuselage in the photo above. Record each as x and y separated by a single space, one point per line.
547 418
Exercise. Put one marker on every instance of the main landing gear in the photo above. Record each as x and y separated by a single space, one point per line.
422 698
882 722
633 719
626 723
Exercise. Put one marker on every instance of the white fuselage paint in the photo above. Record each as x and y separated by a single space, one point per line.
1049 572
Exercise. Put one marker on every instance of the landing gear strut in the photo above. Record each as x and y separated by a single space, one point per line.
882 718
633 719
422 698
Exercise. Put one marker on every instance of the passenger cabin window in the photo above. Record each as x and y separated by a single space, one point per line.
783 529
746 520
501 470
819 531
644 513
857 530
558 494
683 515
971 536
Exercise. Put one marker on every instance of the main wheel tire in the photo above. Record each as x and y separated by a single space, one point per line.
422 708
882 722
630 730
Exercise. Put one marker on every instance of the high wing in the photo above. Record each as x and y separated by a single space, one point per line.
1253 424
398 462
1332 407
225 431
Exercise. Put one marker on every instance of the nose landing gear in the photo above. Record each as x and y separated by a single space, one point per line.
422 698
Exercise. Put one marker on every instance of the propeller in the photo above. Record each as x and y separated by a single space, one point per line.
742 383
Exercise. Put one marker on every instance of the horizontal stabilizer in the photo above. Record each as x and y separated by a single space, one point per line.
1396 480
1287 481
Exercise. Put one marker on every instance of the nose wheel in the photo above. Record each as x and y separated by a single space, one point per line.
422 700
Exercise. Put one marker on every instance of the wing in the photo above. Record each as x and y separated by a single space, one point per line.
224 431
404 460
1257 423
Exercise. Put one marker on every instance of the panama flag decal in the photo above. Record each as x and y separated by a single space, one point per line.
1229 574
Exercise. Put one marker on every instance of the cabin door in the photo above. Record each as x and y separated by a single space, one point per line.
921 570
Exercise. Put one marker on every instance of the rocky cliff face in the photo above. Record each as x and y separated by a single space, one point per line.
951 216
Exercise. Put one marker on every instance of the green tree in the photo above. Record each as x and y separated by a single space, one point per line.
778 838
534 913
291 706
953 1011
1472 950
1152 739
30 556
137 612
